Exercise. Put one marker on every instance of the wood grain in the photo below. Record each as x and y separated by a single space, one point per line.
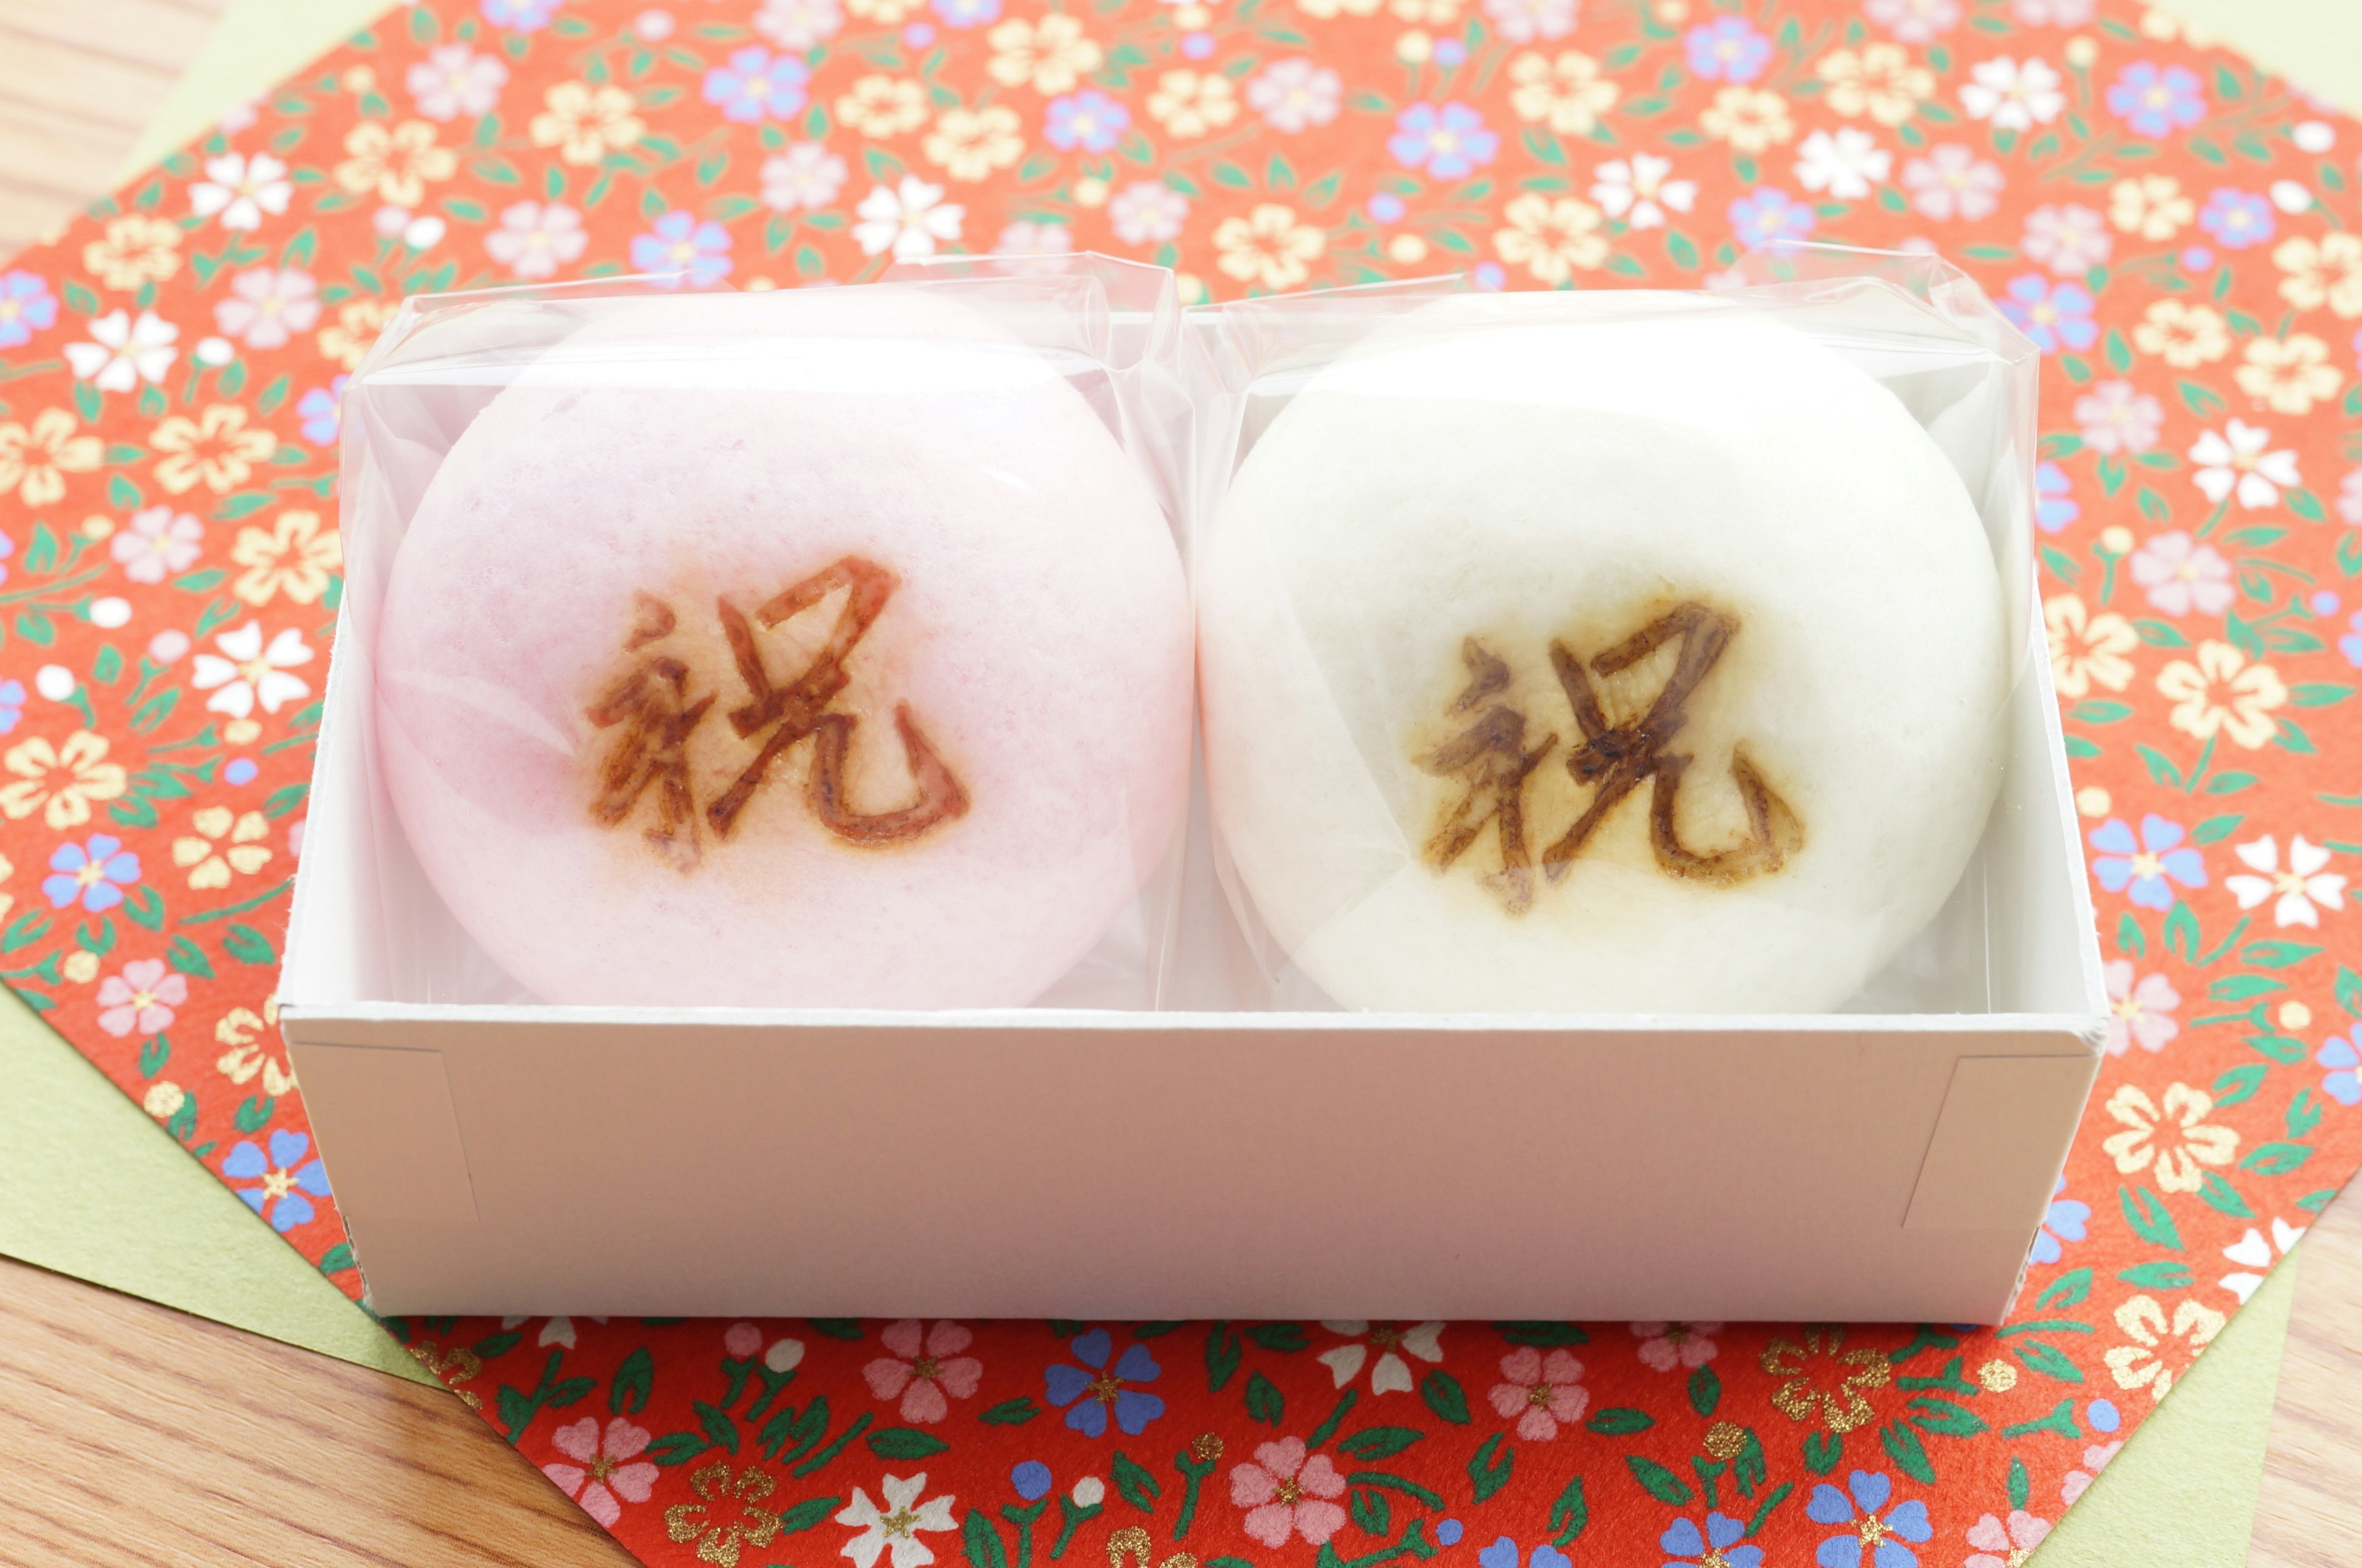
2310 1515
137 1435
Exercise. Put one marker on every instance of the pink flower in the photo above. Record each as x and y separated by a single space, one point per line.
2140 1011
1952 182
2004 1547
1285 1494
266 306
921 1372
158 542
2119 419
1664 1346
598 1476
1914 21
2070 241
2051 13
2096 1460
141 998
1542 1392
2350 497
533 241
2182 575
740 1341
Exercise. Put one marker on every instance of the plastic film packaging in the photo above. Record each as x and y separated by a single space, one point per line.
1620 652
827 649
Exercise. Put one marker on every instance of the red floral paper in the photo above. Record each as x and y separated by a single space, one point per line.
2171 227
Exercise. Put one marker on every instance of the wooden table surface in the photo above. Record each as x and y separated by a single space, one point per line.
133 1434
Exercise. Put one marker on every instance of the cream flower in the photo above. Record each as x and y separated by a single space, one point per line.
223 844
969 144
396 164
2289 375
354 333
1551 238
60 782
586 123
2162 1347
1879 81
1051 55
134 250
2184 335
879 105
2150 205
1270 247
1390 1375
2328 270
1750 119
293 557
2088 650
36 458
884 13
245 1060
1192 102
2172 1141
1329 10
214 449
1564 91
2219 690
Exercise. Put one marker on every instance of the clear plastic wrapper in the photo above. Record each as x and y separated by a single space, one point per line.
816 649
1622 652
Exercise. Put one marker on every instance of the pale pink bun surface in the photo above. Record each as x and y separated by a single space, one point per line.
1036 634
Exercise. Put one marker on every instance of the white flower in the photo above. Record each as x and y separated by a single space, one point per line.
1639 191
897 1527
251 672
2013 96
1150 213
1847 164
1528 21
805 178
2237 461
2256 1253
240 190
2302 886
799 25
556 1331
1392 1374
1035 239
454 80
1295 94
266 306
909 219
125 352
533 241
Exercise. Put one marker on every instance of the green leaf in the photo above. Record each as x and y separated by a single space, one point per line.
1542 1334
2275 955
1285 1338
1705 1391
1371 1513
2215 828
1487 1474
904 1442
1224 173
1222 1352
2021 1486
143 906
1265 1401
980 1542
1931 1414
2047 1360
2303 1116
1137 1486
2220 1195
2160 766
1378 1442
2148 1217
247 945
2240 1084
628 1395
1010 1413
1618 1421
1443 1394
1657 1481
2275 1158
2067 1290
2278 1048
2349 991
189 958
1902 1445
1569 1514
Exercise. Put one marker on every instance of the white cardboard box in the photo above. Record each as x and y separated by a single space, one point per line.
1074 1164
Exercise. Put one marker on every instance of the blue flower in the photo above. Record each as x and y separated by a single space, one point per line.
1870 1490
322 410
1503 1553
2149 865
679 243
967 12
757 86
1032 1479
2053 317
2237 220
1088 120
1728 50
1091 1387
26 307
2062 1222
12 700
95 873
1682 1540
2053 506
2154 101
1769 214
2342 1054
278 1199
520 16
1449 142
